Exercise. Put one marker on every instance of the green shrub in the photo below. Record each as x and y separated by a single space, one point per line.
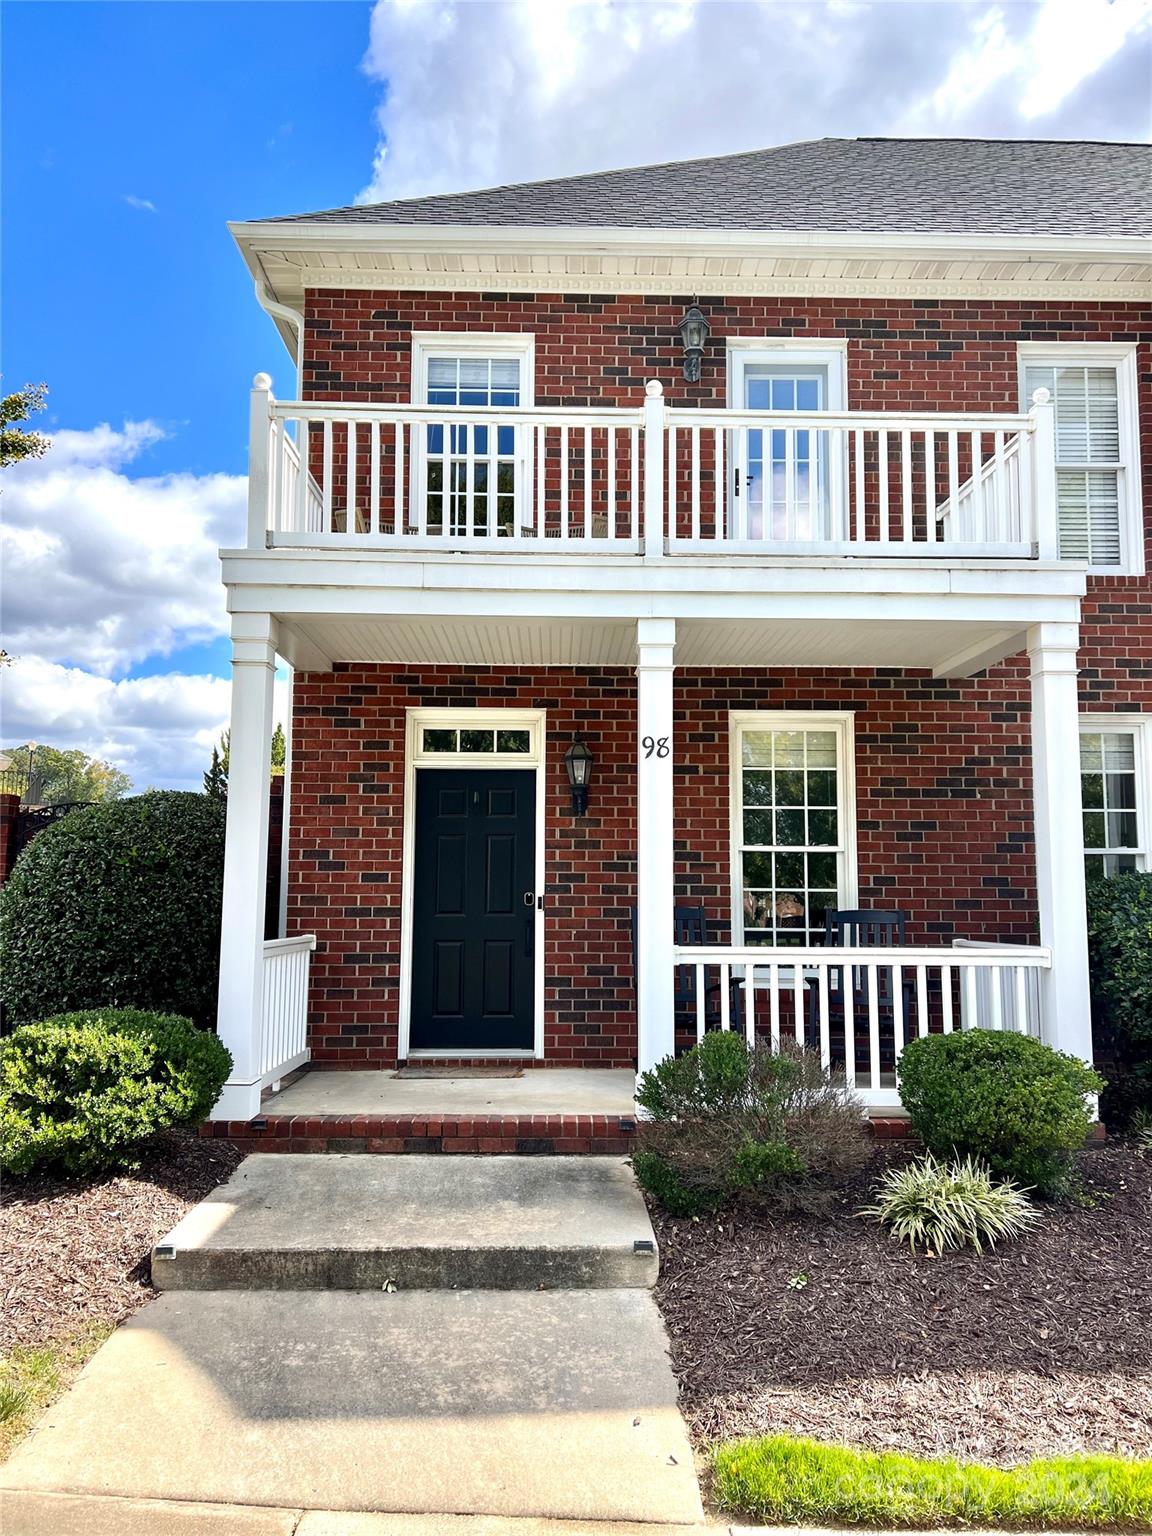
786 1481
117 906
1120 952
1011 1101
729 1122
79 1091
941 1206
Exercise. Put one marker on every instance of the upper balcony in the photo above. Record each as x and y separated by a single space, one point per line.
757 487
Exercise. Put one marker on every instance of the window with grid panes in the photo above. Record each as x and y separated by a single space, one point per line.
470 474
1090 468
791 831
1114 792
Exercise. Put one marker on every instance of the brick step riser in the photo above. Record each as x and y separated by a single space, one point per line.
538 1136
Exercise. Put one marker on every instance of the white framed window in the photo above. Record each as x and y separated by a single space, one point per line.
793 824
471 479
1094 392
1116 791
785 485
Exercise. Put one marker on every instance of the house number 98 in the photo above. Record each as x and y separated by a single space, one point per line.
655 746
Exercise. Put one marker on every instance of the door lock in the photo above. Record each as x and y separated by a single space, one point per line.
529 898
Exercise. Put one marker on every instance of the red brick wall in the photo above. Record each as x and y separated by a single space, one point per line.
943 816
943 773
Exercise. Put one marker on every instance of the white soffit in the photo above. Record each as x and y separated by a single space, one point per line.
929 644
291 260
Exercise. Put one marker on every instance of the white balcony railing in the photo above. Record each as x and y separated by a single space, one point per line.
859 1007
653 481
284 1014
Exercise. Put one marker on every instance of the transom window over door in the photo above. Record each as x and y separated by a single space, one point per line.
473 475
1097 480
794 832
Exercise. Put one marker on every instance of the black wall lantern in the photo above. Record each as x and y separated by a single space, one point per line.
693 333
578 762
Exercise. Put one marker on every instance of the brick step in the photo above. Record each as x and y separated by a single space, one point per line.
525 1135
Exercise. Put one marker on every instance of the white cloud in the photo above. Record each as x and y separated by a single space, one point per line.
144 204
103 569
160 730
513 90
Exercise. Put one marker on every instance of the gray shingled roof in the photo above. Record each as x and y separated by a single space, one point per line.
956 186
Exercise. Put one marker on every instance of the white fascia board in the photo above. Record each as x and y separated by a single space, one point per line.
576 239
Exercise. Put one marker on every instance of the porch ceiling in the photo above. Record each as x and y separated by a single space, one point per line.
947 648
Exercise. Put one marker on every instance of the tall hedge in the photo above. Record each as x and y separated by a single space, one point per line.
117 905
1120 950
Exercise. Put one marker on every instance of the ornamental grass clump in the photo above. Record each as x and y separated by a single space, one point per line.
80 1091
941 1206
728 1122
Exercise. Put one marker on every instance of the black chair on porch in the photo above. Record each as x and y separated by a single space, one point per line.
689 928
865 928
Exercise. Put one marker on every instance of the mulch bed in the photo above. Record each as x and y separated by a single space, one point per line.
76 1250
1040 1348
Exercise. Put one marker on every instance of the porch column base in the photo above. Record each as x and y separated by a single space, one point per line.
238 1101
1065 1003
655 862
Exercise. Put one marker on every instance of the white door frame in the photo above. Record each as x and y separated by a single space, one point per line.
415 758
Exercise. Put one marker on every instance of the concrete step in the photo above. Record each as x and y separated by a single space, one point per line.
291 1222
553 1405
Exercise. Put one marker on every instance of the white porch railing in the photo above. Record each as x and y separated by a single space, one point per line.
652 481
284 1012
859 1007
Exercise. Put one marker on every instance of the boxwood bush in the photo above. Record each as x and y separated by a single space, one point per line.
1009 1100
117 905
727 1122
1120 948
80 1091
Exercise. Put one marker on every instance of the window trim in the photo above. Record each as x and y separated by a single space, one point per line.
1121 355
843 723
501 345
1140 725
807 351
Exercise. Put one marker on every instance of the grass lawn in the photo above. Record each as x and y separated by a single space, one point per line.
34 1375
782 1479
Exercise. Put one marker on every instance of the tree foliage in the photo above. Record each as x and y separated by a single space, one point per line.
117 905
15 442
216 777
57 776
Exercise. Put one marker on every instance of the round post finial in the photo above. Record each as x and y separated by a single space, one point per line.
262 381
1041 396
653 389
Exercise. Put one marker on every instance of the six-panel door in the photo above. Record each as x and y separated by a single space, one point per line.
474 912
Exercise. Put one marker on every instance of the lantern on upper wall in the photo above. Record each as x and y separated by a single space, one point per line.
693 333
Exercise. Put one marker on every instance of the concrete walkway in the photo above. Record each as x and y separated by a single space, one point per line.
532 1402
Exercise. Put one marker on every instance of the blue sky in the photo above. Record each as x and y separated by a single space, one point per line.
134 131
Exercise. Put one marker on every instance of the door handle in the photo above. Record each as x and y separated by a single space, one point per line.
529 933
735 482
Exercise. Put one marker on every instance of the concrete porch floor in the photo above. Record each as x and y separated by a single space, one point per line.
554 1091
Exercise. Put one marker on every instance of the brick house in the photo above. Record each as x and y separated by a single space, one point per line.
791 499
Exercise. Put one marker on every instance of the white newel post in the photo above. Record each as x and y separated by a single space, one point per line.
1065 1008
655 449
1045 510
655 864
246 862
259 460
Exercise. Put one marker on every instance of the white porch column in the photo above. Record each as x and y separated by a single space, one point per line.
246 862
1064 996
655 867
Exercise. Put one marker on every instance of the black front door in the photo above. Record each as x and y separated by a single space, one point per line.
474 914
